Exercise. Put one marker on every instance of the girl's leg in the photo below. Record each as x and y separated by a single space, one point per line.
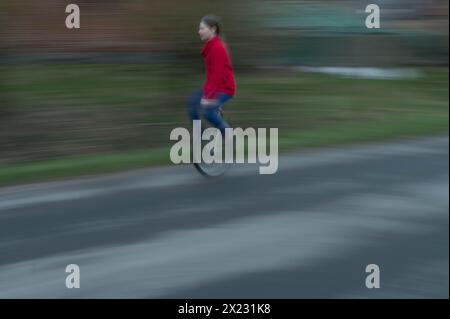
212 113
193 105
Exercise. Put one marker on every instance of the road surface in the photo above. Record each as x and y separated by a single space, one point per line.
308 231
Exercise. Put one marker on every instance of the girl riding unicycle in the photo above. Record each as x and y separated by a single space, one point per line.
220 86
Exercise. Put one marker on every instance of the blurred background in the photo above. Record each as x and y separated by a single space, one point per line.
363 120
117 85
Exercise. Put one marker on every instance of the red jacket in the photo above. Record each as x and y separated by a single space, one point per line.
219 72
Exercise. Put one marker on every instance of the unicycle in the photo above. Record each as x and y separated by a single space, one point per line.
214 169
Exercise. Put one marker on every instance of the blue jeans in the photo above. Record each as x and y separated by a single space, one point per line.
210 112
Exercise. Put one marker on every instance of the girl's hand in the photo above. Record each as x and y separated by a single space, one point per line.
207 102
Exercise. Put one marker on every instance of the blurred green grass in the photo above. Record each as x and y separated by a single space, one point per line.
68 120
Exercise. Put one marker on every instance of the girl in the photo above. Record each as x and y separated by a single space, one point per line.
220 85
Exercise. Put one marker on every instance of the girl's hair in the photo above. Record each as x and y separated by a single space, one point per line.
212 21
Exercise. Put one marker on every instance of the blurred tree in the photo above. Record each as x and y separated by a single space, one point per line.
4 105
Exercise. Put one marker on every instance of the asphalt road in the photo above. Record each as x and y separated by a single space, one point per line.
309 231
